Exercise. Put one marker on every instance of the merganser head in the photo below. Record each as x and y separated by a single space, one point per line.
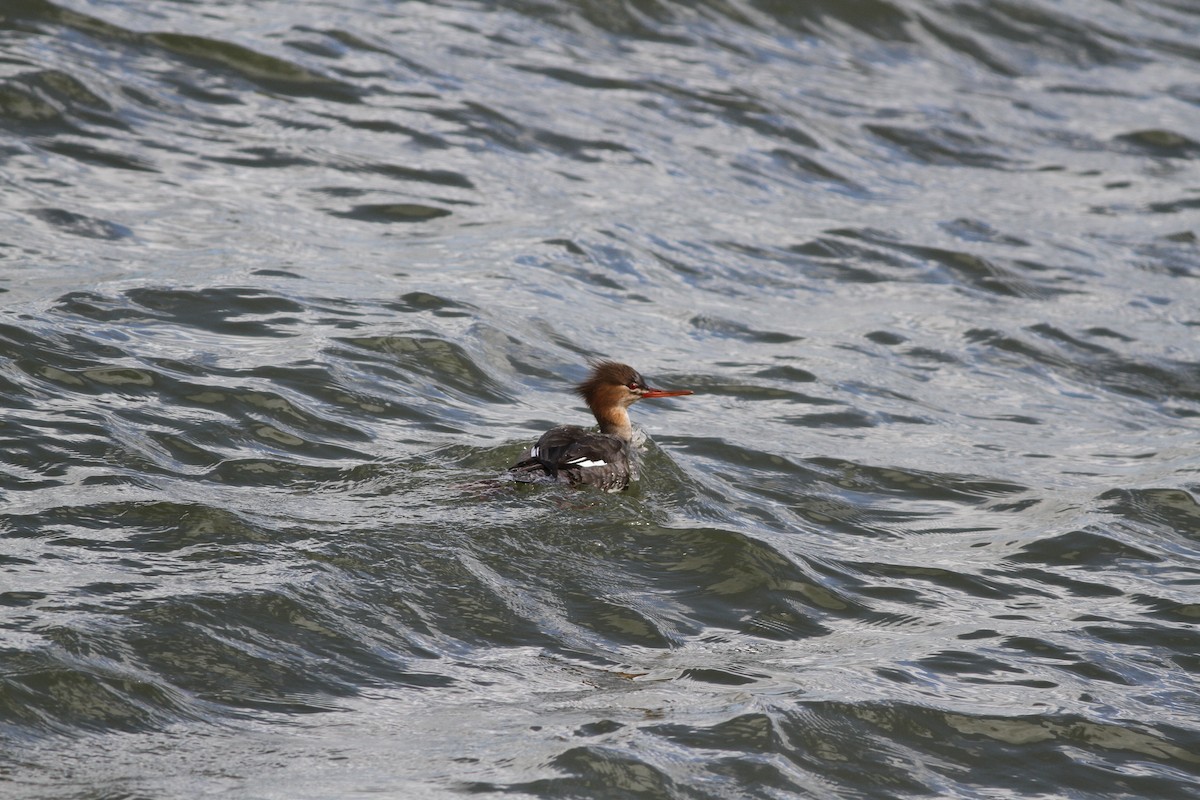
611 388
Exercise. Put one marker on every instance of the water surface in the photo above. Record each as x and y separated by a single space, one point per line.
286 286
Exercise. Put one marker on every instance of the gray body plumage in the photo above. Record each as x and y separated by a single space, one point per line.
576 456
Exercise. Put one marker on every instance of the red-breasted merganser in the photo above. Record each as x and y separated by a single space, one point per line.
579 457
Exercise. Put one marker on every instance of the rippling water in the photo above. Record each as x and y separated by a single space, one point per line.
286 286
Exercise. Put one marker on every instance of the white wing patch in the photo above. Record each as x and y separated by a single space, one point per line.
584 462
533 452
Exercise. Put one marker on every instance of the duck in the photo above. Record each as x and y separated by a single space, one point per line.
604 459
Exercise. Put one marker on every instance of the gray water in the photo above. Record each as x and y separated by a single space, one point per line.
286 286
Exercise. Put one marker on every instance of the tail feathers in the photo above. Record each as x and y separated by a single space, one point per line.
531 470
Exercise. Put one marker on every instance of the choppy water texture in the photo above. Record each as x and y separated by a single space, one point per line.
287 285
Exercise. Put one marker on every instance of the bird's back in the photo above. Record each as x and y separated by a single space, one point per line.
571 454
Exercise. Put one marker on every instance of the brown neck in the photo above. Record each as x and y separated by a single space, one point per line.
614 421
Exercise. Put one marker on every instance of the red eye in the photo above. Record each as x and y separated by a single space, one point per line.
632 386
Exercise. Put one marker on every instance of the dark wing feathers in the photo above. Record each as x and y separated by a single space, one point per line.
571 454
